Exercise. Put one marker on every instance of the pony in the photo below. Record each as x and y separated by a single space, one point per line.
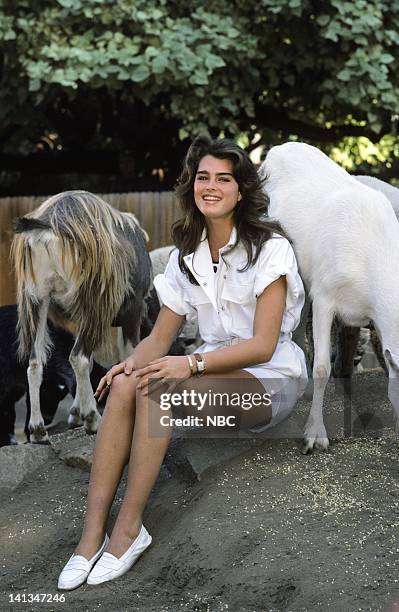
77 260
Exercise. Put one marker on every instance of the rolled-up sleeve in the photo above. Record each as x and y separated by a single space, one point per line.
277 259
170 289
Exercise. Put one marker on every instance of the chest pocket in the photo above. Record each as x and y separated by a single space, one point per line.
241 303
196 295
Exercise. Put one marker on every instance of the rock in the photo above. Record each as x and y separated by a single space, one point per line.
191 458
19 461
74 447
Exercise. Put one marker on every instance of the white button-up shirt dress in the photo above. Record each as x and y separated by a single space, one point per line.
224 303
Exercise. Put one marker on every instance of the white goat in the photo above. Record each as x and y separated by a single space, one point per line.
346 239
159 260
391 192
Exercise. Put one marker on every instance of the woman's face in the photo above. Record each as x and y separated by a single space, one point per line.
216 191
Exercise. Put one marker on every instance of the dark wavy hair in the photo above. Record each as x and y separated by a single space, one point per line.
250 214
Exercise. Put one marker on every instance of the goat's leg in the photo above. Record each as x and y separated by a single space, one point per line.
315 435
37 360
393 383
377 347
130 321
80 363
125 346
347 339
299 336
346 344
74 418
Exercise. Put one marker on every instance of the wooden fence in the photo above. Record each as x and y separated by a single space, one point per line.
155 211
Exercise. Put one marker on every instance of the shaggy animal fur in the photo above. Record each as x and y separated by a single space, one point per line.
77 259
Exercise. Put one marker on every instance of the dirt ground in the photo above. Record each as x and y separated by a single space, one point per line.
271 530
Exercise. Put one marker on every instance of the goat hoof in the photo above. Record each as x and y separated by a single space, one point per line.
38 434
74 420
322 444
91 422
311 443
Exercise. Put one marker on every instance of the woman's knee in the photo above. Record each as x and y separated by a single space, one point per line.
123 389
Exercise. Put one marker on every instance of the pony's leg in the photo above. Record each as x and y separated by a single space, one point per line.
315 433
37 360
81 365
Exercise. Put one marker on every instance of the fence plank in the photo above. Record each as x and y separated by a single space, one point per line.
155 211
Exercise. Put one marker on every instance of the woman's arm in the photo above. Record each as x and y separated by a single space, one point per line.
258 349
267 325
152 347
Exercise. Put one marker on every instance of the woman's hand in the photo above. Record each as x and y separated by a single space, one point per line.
104 385
169 370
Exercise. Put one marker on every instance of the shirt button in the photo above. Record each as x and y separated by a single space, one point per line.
222 307
205 284
224 276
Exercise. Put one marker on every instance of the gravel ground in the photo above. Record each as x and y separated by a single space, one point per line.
272 530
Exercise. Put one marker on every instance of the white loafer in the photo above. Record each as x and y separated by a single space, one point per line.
110 567
78 568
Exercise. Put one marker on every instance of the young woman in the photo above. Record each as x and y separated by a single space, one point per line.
235 271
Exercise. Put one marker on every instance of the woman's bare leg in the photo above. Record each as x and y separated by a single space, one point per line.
149 446
148 451
111 454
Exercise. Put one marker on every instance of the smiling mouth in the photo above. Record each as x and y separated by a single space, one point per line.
211 198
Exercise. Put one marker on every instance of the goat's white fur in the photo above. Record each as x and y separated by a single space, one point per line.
159 260
346 239
391 192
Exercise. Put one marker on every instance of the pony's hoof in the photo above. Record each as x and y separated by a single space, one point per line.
91 422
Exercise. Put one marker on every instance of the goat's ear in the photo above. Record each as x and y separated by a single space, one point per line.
392 360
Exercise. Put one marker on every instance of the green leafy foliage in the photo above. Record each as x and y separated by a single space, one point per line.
275 67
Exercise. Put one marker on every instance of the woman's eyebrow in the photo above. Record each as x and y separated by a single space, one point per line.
217 173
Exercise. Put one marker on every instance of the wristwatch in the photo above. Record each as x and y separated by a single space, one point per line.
200 363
